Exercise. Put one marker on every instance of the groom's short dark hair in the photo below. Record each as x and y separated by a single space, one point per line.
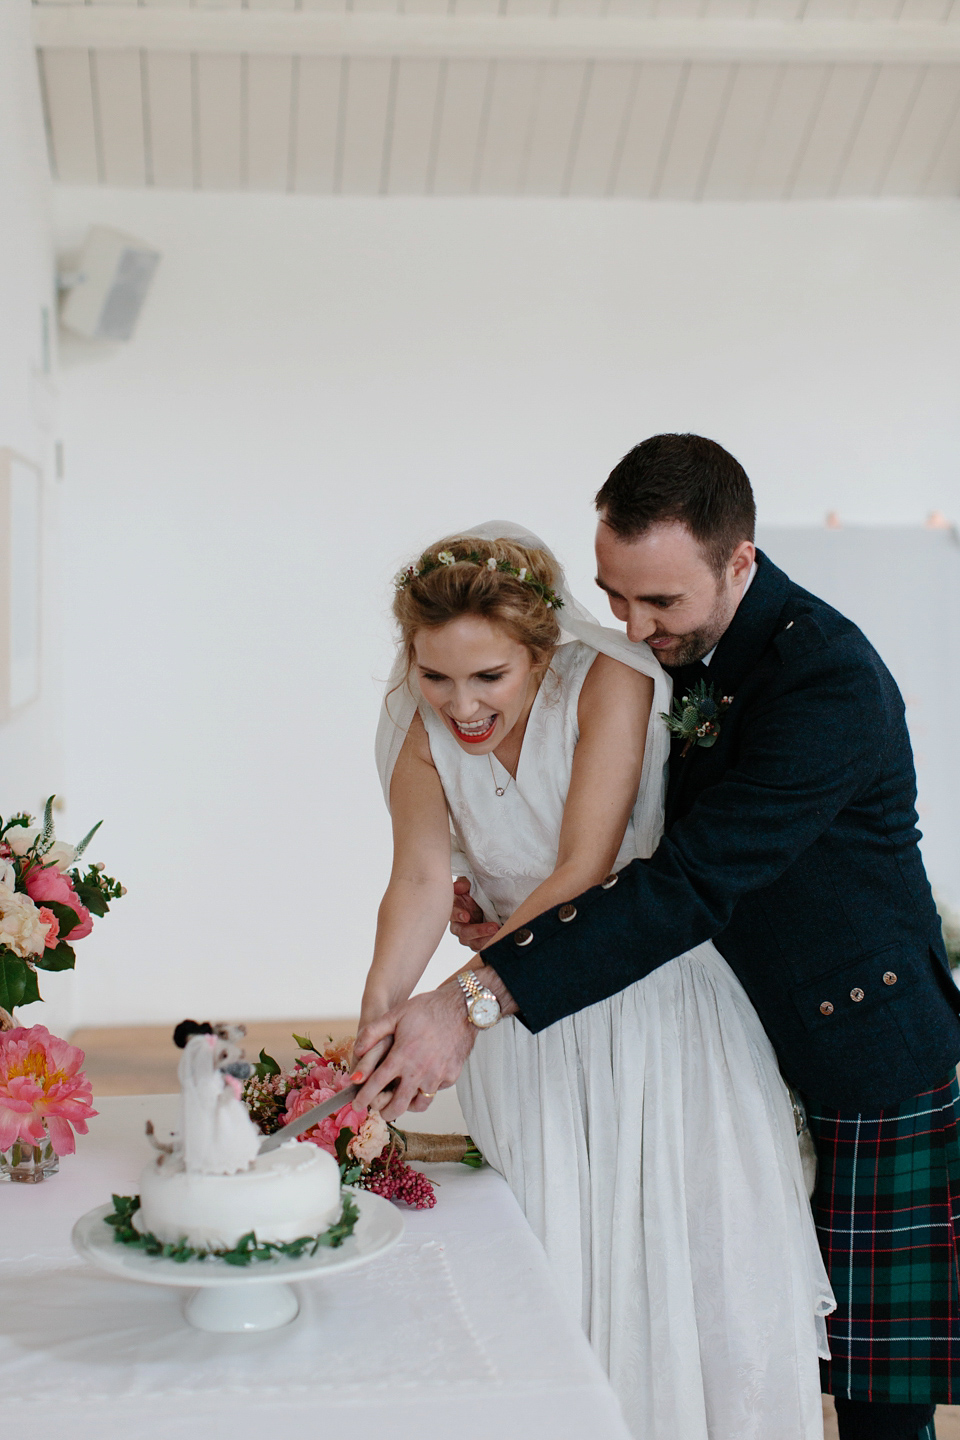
684 478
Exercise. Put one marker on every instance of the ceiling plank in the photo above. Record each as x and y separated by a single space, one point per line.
658 93
520 37
881 126
174 159
602 129
462 113
923 132
369 90
507 134
414 127
792 115
316 103
219 90
943 175
730 168
561 105
267 138
121 101
686 162
833 131
72 123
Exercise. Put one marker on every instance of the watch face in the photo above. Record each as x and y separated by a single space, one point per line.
485 1011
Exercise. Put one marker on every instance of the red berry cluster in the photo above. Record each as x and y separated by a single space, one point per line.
390 1177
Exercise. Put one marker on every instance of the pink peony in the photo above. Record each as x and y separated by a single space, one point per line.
41 1081
314 1084
52 884
47 917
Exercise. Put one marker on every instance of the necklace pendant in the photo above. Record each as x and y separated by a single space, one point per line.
501 791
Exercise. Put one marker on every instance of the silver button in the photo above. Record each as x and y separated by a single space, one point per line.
523 937
609 883
856 993
567 912
889 978
826 1008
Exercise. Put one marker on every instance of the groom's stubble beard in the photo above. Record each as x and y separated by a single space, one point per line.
697 643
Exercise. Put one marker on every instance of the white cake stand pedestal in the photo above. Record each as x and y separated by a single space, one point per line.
232 1298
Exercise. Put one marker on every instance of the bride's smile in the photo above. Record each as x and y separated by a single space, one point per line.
480 682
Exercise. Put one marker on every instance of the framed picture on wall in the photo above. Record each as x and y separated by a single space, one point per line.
20 552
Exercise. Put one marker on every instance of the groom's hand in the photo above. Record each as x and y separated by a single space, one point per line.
432 1038
466 918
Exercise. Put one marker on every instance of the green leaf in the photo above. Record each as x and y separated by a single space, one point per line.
13 980
67 918
266 1065
341 1143
31 990
91 896
707 741
61 957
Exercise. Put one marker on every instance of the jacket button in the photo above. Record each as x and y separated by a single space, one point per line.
567 912
826 1008
523 937
609 883
889 978
856 993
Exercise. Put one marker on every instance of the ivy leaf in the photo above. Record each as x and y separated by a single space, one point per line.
61 957
13 980
266 1065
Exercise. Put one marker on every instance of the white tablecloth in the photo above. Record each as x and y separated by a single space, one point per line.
456 1333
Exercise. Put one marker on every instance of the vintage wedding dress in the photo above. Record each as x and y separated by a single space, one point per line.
649 1139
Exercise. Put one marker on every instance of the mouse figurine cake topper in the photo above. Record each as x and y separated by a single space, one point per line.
215 1135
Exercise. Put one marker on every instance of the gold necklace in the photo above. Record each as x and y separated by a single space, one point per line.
500 789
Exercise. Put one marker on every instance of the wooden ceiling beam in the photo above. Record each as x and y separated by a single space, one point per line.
311 32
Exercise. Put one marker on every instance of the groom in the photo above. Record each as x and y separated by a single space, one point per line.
790 842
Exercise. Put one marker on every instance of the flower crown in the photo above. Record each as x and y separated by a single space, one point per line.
428 563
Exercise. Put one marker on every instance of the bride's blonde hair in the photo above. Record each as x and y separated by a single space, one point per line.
456 577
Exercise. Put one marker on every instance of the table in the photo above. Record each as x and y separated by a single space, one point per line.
458 1332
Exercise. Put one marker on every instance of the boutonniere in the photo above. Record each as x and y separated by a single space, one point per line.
696 718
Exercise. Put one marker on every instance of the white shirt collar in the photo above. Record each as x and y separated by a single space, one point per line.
710 653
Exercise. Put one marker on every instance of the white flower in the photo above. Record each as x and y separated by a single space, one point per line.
8 876
20 925
20 838
491 563
445 557
522 574
370 1139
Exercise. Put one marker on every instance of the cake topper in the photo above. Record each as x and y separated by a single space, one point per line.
215 1135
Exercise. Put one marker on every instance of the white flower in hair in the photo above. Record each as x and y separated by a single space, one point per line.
491 563
522 574
445 557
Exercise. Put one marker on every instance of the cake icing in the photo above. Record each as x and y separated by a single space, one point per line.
290 1192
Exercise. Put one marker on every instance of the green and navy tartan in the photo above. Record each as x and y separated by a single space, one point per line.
887 1210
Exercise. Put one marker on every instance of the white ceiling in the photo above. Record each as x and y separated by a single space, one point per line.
676 99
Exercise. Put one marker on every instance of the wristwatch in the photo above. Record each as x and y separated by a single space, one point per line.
483 1007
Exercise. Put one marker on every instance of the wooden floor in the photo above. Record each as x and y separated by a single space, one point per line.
142 1060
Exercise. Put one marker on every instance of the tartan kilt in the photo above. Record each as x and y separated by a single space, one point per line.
887 1211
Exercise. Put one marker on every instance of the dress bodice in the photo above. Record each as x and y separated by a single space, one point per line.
510 842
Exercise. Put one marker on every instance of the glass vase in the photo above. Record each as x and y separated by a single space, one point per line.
29 1164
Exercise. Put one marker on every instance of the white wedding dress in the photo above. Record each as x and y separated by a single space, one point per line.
649 1139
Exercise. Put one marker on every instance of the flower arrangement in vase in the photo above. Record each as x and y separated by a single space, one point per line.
47 904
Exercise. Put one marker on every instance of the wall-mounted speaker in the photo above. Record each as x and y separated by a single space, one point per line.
104 297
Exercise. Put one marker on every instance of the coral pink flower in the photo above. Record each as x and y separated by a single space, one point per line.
41 1081
53 934
314 1084
51 884
339 1053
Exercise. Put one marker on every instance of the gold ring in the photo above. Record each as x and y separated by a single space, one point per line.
428 1094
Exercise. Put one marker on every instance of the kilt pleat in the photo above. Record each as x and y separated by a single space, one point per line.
887 1211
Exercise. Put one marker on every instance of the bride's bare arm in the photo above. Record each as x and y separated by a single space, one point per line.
414 910
613 714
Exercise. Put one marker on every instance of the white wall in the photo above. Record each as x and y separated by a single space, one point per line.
30 748
318 387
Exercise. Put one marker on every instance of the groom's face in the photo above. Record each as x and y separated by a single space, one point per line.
663 588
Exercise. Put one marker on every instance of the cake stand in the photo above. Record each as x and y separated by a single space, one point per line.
230 1298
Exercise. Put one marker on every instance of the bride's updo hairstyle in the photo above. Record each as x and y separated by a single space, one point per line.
500 581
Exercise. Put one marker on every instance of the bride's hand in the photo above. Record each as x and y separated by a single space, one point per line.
432 1038
373 1056
466 918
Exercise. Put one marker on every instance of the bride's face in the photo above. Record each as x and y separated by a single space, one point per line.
477 678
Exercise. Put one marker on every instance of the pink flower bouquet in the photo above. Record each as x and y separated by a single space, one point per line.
43 1091
47 903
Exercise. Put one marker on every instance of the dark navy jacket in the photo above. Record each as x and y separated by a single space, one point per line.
792 844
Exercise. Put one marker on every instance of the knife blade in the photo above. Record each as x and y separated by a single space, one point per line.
308 1118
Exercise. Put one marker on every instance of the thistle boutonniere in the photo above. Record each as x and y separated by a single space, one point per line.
696 718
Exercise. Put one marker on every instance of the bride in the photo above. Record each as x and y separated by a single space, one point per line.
649 1139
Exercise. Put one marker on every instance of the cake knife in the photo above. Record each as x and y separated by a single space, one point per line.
309 1117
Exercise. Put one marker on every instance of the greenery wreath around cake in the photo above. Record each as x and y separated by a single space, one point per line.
247 1249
